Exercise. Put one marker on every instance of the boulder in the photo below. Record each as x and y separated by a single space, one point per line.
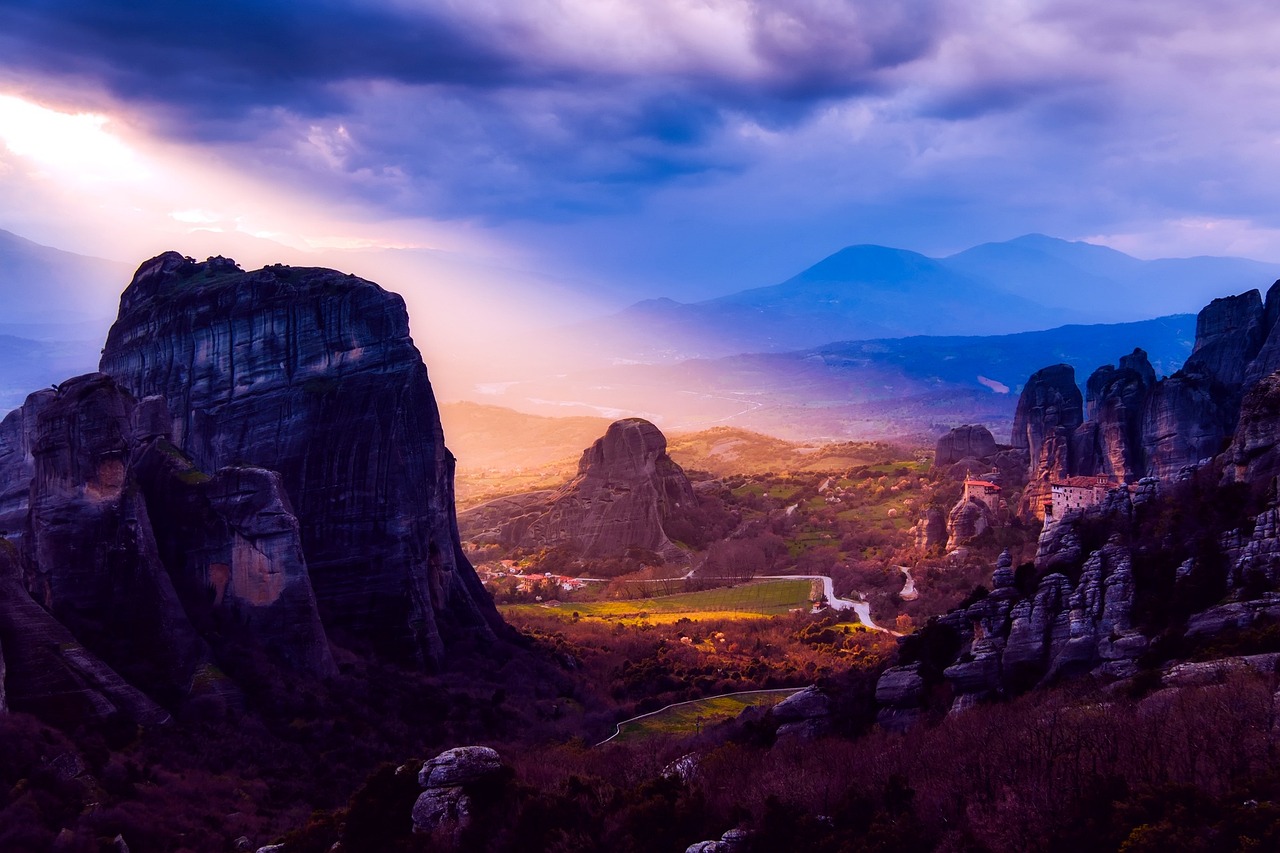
444 810
459 766
810 703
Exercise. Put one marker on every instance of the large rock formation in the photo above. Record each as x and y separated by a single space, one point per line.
1048 413
970 441
46 671
1138 427
626 490
1254 455
1109 442
139 555
312 374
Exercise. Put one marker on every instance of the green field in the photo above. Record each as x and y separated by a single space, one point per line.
752 600
689 718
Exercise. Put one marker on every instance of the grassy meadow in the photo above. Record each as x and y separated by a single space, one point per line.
746 601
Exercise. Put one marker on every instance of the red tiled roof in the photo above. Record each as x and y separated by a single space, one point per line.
1085 482
986 483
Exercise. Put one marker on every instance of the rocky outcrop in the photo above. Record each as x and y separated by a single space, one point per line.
1185 420
312 374
806 714
963 442
968 520
626 492
1049 411
141 556
1229 334
1013 641
444 810
931 530
93 561
1110 441
1254 454
48 672
900 693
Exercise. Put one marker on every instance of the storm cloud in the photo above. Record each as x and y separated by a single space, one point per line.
653 140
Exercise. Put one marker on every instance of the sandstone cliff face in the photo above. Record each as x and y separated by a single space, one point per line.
1229 333
48 672
1049 411
1254 454
967 521
312 374
1110 441
627 488
138 555
94 563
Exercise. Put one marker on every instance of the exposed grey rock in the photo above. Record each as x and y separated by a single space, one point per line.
1229 333
1201 673
808 704
1185 419
1234 616
1257 557
444 809
899 694
49 673
459 766
312 373
969 441
1059 546
733 841
1110 442
1004 575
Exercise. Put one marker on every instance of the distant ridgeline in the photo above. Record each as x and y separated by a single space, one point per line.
260 450
1161 500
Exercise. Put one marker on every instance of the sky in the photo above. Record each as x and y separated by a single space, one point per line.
609 150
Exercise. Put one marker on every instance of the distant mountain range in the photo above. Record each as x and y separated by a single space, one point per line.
57 307
973 309
899 387
872 292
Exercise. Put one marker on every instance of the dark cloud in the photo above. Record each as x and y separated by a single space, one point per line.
238 71
222 58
